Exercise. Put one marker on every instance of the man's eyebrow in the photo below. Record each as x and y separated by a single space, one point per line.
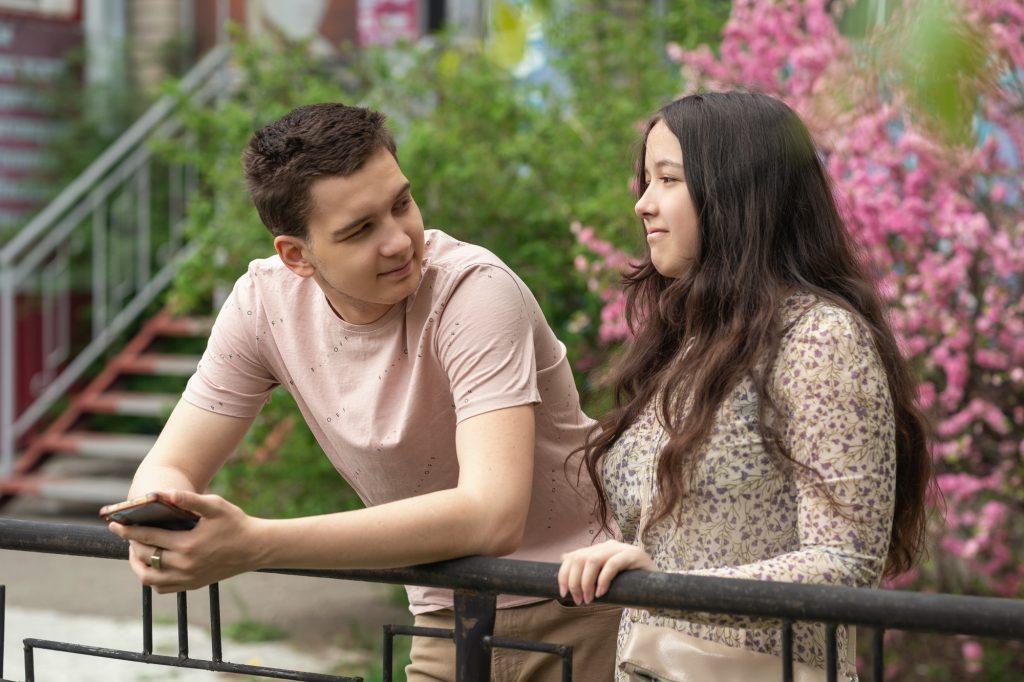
340 232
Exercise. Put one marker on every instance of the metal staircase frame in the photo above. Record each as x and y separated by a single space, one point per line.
112 193
97 397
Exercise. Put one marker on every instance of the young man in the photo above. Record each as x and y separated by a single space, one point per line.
425 369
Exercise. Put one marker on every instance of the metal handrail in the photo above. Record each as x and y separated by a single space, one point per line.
897 609
477 581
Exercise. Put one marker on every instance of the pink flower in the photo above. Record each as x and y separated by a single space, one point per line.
972 653
937 226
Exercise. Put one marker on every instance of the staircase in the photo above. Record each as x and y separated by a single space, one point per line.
74 281
86 457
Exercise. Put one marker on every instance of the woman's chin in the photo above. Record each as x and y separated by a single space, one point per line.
669 267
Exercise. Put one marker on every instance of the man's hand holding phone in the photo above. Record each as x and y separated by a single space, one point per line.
223 541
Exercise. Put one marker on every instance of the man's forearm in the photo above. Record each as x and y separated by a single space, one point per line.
152 477
432 527
192 446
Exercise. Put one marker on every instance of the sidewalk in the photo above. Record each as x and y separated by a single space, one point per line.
330 623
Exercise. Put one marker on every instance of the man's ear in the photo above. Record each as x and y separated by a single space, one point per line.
295 254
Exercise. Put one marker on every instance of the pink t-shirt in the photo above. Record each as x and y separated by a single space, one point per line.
383 399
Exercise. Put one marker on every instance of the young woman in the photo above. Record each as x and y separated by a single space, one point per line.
765 424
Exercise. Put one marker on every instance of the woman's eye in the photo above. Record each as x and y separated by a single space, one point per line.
668 180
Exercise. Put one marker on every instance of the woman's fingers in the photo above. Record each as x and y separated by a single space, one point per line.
588 576
587 573
611 568
575 571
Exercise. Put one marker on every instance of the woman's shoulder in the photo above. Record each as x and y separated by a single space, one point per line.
825 346
811 319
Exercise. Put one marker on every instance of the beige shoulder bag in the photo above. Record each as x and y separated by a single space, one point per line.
666 655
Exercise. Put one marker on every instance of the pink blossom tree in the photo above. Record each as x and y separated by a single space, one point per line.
932 190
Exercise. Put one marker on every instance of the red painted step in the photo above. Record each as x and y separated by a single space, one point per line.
129 403
116 446
185 326
161 364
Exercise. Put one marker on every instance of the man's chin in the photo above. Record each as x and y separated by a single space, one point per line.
407 286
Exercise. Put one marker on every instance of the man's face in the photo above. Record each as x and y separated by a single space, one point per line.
364 244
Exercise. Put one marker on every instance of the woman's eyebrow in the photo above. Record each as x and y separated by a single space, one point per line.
667 162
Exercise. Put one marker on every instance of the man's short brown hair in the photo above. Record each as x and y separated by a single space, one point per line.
284 158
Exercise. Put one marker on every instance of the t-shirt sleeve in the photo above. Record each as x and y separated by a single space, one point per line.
484 342
232 378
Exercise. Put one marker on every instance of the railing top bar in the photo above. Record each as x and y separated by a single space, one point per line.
137 133
894 609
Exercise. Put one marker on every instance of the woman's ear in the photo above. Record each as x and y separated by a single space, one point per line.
295 254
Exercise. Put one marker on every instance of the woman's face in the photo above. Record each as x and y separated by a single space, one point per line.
666 207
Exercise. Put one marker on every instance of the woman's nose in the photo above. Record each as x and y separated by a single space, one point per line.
644 206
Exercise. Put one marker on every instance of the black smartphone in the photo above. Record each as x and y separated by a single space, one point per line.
150 510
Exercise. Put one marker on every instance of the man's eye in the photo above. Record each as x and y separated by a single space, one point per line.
362 228
402 205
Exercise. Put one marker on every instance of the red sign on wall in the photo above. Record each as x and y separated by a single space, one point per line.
33 46
382 22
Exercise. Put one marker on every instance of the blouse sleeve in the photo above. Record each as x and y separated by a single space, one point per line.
831 390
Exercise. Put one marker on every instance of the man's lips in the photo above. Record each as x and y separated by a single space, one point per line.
401 267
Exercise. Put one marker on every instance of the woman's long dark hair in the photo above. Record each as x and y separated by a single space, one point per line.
768 226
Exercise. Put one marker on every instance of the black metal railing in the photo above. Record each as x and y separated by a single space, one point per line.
477 581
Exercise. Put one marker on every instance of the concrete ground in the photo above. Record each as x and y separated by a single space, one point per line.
331 625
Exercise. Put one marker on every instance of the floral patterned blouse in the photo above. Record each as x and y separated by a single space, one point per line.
745 516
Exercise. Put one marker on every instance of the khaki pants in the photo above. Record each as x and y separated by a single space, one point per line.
590 630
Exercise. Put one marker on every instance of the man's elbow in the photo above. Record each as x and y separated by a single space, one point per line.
504 535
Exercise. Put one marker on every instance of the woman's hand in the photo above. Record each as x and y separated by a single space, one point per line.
224 543
587 573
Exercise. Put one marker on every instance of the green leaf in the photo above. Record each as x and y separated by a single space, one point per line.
509 27
943 63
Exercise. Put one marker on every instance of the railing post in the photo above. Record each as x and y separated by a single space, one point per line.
182 624
787 650
474 620
147 619
8 378
30 668
216 652
3 610
99 268
142 225
878 655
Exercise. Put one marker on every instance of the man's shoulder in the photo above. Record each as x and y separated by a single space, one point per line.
267 280
452 264
271 266
453 256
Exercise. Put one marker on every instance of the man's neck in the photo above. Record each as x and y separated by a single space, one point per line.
364 313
